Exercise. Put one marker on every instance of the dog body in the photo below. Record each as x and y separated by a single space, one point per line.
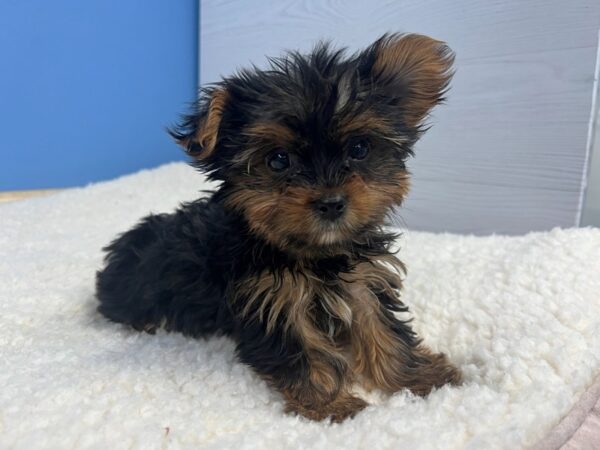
289 256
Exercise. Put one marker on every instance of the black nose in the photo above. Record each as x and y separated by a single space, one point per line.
330 208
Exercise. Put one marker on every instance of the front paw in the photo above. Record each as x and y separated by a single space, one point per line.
343 407
433 372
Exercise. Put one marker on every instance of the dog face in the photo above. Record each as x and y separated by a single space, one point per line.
312 151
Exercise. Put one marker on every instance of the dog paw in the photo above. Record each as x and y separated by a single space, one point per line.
435 373
338 410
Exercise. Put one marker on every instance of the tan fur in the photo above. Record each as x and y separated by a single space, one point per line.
263 137
276 216
345 405
423 64
370 202
366 122
208 130
293 295
381 359
364 349
272 131
325 392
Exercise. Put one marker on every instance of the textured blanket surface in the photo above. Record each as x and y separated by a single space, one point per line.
519 315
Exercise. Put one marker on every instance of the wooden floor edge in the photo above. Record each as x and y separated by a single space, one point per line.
12 196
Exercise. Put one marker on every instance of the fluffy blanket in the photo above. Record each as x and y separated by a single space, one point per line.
519 315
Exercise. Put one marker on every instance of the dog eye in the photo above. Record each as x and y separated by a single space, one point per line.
278 161
359 149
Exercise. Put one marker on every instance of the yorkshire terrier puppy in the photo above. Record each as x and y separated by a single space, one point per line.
289 256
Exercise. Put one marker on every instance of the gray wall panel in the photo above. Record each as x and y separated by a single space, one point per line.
591 200
507 153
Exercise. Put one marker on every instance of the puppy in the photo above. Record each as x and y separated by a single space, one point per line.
288 256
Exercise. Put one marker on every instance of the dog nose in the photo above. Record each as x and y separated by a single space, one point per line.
331 208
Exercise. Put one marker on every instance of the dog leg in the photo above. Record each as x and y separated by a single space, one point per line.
389 356
323 393
315 382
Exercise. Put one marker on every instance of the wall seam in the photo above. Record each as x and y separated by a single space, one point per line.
590 139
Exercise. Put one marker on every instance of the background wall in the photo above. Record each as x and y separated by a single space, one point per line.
86 87
507 153
591 205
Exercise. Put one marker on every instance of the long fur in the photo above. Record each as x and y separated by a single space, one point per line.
309 299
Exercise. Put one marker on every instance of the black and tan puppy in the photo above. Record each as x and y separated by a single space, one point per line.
288 256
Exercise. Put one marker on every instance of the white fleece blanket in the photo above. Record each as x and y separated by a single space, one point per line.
519 315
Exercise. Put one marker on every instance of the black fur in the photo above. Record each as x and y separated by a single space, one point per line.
181 271
301 91
176 271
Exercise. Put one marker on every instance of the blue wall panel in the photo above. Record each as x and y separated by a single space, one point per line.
87 87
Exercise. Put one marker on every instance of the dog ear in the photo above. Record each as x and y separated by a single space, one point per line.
198 132
411 71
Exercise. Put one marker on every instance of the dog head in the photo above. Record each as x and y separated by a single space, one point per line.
312 150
